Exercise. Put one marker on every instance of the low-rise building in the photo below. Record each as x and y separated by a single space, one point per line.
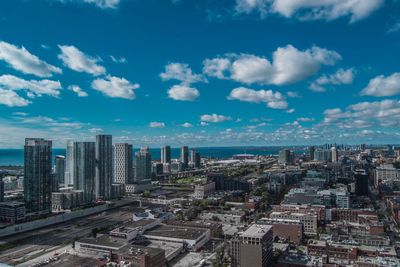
140 256
12 212
66 200
194 238
308 220
286 230
203 190
230 217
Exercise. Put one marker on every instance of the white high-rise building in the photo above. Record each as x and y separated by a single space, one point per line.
334 154
123 163
166 154
69 164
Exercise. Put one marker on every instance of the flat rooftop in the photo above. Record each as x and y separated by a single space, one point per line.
257 231
140 250
139 223
103 240
173 231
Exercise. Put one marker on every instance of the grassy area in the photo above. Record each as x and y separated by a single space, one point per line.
190 180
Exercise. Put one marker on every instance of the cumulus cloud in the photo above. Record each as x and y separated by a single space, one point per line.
12 99
181 72
103 4
249 6
76 89
183 93
327 10
187 125
272 99
115 87
214 118
78 61
315 9
156 124
34 87
342 76
383 86
217 67
385 113
22 60
289 65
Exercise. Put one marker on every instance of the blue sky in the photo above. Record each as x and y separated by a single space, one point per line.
200 72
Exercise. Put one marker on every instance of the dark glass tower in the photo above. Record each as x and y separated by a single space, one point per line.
37 175
104 166
84 169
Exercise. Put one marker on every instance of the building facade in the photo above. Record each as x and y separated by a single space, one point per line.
123 163
104 166
38 175
69 164
59 172
253 247
143 164
85 169
185 156
166 154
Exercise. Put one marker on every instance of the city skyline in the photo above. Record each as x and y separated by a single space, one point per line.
203 74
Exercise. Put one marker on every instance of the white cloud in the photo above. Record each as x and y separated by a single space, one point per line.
12 99
103 4
305 119
95 130
214 118
156 124
76 89
118 60
383 86
115 87
385 113
35 87
326 9
187 125
293 94
342 76
216 67
289 65
183 93
22 60
272 99
290 110
78 61
203 123
248 6
44 121
181 72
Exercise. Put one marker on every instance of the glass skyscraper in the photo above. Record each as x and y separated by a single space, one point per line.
38 175
104 166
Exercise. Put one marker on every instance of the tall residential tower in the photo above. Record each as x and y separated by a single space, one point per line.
37 175
104 166
123 163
